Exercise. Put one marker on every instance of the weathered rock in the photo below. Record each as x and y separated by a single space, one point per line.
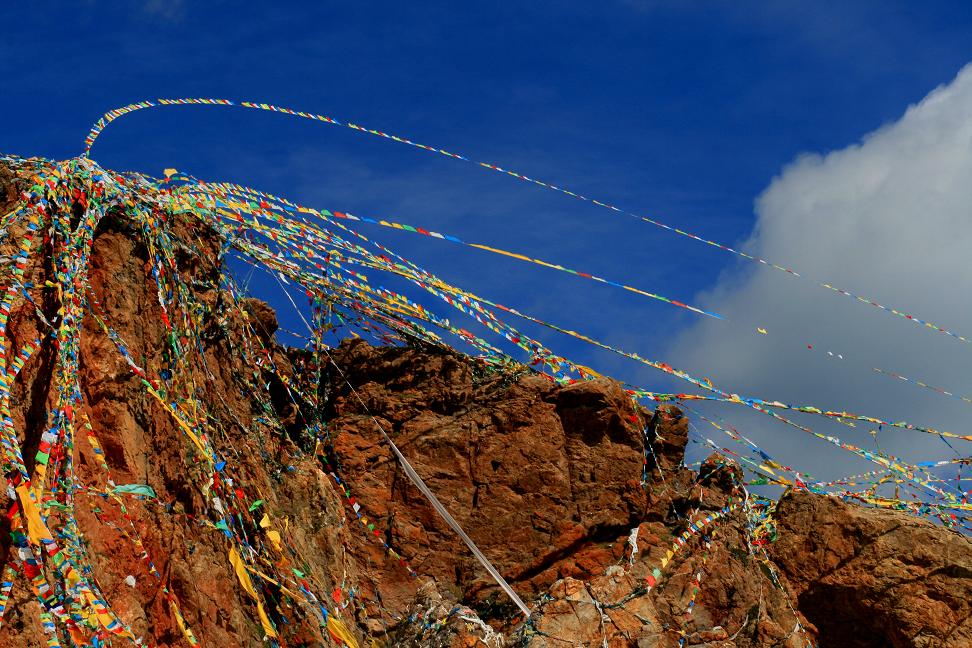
430 621
869 578
546 480
8 190
543 478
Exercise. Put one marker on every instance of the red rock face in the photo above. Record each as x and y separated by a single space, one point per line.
871 578
540 476
547 480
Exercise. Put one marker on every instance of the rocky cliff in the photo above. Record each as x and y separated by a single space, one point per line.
578 496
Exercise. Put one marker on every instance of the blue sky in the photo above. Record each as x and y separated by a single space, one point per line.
682 110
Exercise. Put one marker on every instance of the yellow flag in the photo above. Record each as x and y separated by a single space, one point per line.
186 630
265 622
241 573
244 576
35 526
340 631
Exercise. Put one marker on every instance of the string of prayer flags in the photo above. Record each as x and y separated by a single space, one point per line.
111 115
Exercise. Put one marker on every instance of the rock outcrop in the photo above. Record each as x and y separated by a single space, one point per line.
547 480
870 578
578 496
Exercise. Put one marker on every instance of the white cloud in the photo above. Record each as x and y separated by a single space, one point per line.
889 218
